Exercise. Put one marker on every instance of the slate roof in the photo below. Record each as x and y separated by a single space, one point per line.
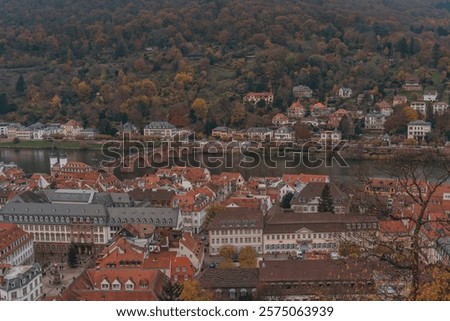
158 216
228 278
160 125
314 270
237 218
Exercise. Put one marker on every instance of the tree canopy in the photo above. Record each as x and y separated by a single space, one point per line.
98 57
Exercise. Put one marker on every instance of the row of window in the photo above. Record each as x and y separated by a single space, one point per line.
51 219
57 237
302 236
236 240
216 250
235 232
62 228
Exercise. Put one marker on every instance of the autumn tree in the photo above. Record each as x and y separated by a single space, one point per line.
55 101
171 291
247 257
193 292
238 114
211 213
437 288
200 109
302 131
345 127
83 91
418 178
228 254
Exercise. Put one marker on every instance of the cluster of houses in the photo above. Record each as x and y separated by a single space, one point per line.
148 230
326 117
38 131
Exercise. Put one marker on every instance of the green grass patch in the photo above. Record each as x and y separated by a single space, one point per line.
435 76
48 145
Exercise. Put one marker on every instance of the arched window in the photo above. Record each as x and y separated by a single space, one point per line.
232 293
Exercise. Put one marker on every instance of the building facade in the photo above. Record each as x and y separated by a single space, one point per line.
21 283
418 129
16 245
238 227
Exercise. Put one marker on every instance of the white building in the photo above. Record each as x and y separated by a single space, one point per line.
430 95
374 121
345 92
418 129
284 134
71 129
239 227
20 283
160 129
259 133
255 97
440 107
330 136
289 232
419 106
193 249
4 129
16 246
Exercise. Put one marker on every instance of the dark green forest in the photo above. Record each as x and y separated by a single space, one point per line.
190 62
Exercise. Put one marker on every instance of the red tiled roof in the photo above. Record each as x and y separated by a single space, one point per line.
393 227
73 123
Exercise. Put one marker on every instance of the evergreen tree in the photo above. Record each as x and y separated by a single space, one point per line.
436 54
402 47
345 127
326 200
171 291
286 200
20 85
5 106
72 257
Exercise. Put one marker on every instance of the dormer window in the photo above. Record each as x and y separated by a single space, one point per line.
116 285
105 285
129 286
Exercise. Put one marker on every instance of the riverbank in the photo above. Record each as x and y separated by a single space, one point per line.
64 145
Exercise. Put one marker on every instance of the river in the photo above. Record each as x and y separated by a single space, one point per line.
37 161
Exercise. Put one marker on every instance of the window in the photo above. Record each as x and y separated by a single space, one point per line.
232 293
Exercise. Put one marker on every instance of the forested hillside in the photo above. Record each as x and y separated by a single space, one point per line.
190 62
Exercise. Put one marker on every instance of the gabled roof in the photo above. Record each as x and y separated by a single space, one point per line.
314 190
237 218
73 123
